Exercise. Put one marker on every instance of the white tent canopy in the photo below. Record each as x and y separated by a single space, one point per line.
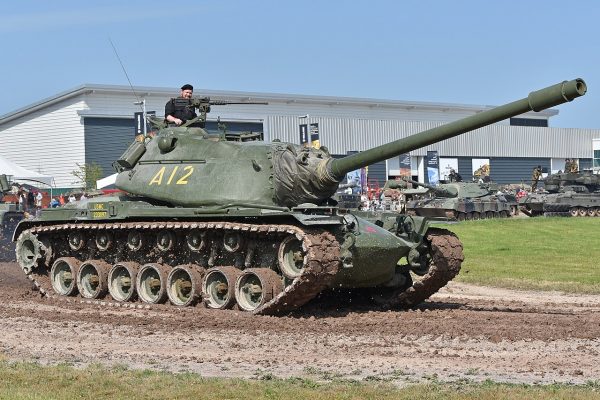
18 173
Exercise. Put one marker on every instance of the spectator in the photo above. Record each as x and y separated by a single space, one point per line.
72 198
54 202
38 200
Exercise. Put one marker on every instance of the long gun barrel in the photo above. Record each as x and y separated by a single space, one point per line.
536 101
443 192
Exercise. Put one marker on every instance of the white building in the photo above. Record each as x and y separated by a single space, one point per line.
94 124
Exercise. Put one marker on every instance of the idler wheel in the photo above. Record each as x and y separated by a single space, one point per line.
121 281
165 240
151 283
104 240
63 275
76 240
135 240
31 251
256 287
92 279
218 287
196 240
291 257
184 285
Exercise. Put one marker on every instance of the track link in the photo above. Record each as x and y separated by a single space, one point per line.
321 261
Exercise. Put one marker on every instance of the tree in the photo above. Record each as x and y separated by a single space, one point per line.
87 175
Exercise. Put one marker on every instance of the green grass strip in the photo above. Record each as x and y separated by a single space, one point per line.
31 381
532 253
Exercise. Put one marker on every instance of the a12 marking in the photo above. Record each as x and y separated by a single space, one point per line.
181 177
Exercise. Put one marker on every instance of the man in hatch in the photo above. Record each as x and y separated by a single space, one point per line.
178 110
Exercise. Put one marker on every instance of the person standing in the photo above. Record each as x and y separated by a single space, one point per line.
535 177
178 110
38 200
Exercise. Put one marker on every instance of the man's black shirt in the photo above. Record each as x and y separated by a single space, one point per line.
180 108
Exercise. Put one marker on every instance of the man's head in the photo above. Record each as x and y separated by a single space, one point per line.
186 91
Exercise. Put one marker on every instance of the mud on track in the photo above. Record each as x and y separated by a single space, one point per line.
463 332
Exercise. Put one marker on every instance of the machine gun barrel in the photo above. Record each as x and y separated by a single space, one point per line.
536 101
443 192
225 103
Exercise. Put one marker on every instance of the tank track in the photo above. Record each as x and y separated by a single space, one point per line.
321 249
446 254
321 262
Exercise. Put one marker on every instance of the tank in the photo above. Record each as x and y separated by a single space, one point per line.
463 201
574 194
246 224
10 216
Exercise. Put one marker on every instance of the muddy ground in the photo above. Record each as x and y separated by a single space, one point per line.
463 332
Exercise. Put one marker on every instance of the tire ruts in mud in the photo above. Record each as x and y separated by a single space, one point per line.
321 263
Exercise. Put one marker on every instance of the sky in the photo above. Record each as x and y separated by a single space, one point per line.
478 52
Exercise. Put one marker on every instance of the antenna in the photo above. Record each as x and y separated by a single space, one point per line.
141 103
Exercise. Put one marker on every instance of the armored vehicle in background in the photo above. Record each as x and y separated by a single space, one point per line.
10 216
246 223
462 201
574 194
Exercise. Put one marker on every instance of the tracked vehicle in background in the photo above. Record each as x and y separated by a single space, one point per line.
246 223
575 194
10 216
463 201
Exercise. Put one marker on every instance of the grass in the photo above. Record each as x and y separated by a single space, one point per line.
532 253
31 381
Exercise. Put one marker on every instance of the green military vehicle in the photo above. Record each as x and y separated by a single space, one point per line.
10 216
463 201
246 223
575 194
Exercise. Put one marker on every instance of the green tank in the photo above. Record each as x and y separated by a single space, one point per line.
246 223
10 216
463 201
575 194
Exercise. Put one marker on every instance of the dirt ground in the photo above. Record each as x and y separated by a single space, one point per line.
464 332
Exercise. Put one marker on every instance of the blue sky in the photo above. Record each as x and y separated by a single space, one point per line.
453 51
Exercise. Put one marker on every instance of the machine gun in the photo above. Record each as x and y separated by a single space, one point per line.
203 105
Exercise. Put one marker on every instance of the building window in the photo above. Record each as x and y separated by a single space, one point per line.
596 164
529 122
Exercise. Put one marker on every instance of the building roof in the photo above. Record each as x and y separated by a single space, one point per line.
145 91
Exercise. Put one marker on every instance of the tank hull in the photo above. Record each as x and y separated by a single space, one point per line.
561 204
463 208
305 251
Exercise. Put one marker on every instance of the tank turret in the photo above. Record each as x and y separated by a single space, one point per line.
181 167
580 182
